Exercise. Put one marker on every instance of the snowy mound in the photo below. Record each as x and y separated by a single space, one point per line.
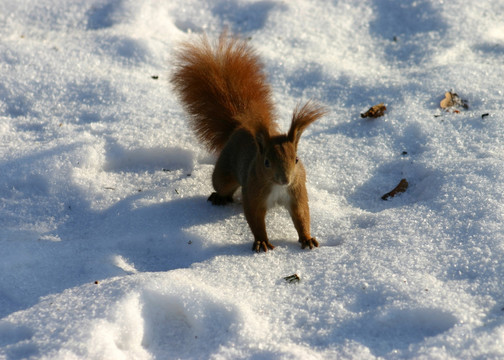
109 249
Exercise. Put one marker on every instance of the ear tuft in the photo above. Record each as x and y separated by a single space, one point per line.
302 117
262 139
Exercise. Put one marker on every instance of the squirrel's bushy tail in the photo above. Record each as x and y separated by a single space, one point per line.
222 88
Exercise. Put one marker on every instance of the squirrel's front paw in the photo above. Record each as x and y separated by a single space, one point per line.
262 245
308 243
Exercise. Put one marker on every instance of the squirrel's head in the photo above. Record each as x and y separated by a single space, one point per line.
278 153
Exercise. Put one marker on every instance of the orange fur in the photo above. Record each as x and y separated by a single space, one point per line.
224 90
221 85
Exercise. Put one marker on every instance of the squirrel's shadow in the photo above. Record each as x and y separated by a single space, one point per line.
158 237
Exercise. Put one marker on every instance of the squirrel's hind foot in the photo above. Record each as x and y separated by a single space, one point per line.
220 200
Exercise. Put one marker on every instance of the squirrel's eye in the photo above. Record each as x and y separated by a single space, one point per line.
297 159
266 163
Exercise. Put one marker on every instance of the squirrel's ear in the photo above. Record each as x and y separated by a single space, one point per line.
302 117
262 139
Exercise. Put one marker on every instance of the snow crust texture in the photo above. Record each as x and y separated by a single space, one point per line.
109 249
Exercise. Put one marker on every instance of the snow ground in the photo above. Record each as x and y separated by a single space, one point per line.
109 249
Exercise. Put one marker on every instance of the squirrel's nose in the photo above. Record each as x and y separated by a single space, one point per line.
281 179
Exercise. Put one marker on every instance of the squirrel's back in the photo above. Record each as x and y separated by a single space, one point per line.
222 88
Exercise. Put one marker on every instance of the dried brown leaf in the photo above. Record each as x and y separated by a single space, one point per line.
453 100
400 188
375 111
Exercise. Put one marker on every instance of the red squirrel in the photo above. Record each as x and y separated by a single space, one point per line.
224 90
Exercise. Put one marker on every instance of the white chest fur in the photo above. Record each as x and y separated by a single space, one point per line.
278 196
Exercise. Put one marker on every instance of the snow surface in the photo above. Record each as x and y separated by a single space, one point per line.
109 249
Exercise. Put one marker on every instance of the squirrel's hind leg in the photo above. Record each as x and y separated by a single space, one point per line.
225 185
